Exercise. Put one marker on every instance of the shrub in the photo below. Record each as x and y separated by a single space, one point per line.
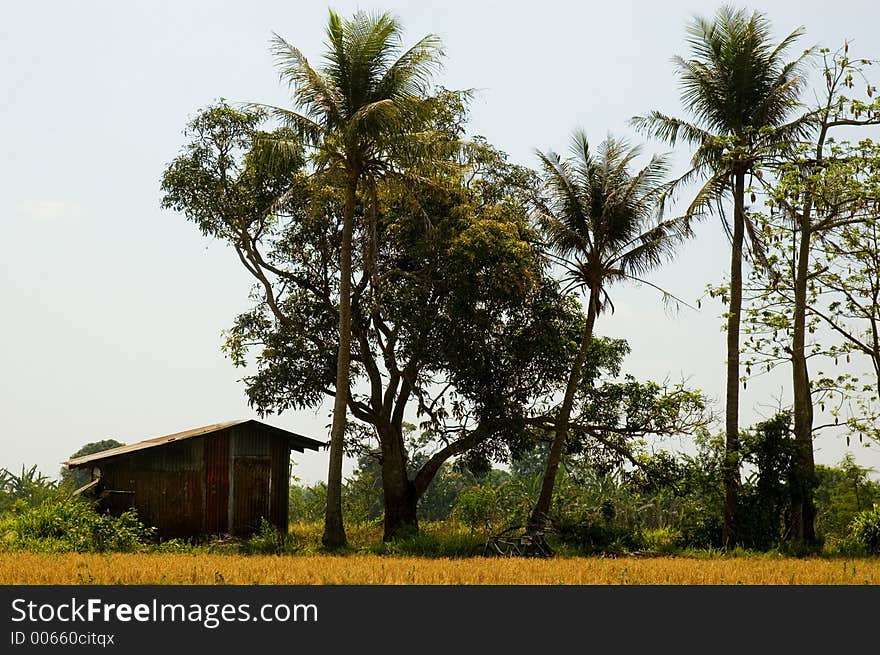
27 489
666 540
175 546
476 507
435 540
61 525
307 504
268 540
865 530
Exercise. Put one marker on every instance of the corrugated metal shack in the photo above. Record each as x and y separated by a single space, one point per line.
217 479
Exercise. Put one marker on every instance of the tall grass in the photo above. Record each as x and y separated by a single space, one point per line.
369 569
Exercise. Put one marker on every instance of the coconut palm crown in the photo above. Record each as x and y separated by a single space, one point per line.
600 220
362 109
601 223
368 94
742 93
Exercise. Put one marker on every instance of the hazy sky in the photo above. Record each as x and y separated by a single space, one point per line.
112 308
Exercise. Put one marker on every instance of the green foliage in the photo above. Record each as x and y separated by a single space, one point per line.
842 492
664 541
595 513
24 490
684 493
307 503
865 530
64 524
268 540
438 540
765 500
477 507
173 546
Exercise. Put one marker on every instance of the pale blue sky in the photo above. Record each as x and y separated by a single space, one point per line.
112 308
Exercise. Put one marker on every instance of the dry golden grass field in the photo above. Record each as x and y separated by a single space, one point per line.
176 569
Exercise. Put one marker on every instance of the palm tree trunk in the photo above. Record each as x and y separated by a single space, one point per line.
334 530
731 447
538 518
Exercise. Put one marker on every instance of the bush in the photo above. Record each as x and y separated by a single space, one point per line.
438 539
27 489
307 504
865 530
666 540
268 540
476 507
62 525
175 546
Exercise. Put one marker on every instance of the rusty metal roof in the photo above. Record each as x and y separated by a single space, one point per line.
297 441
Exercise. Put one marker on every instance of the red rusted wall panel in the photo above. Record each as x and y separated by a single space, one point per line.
217 483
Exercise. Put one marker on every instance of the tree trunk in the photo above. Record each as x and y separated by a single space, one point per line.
802 478
334 530
399 493
803 511
731 449
538 518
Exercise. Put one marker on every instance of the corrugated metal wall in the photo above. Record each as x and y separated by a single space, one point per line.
217 482
167 485
252 479
225 481
279 492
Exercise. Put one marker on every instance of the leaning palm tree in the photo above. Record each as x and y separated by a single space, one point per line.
355 111
601 224
741 92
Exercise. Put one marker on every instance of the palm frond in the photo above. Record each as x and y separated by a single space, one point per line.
413 71
312 90
671 130
307 129
706 199
600 216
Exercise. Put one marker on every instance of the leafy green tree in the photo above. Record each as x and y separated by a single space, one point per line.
842 492
456 322
742 94
598 223
852 280
822 200
770 451
356 112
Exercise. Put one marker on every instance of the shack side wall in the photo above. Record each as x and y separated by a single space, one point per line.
223 482
166 485
260 479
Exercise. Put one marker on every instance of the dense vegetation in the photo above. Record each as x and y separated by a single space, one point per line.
671 505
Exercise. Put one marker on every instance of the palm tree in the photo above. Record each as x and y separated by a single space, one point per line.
599 222
365 100
741 93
